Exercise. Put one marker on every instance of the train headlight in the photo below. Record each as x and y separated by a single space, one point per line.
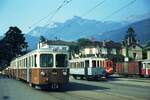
64 72
43 73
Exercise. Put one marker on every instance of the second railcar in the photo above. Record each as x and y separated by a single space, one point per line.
89 68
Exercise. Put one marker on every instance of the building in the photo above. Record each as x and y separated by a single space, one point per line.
131 47
101 49
54 45
148 54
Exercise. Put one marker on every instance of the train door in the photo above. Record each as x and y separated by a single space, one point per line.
27 67
86 68
17 70
27 74
144 69
126 65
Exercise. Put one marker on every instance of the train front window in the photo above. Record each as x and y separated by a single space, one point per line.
61 60
46 60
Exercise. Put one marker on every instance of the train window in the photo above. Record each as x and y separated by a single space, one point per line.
148 65
78 65
61 60
35 65
87 63
23 62
82 64
26 62
98 65
29 61
46 60
74 64
32 61
93 63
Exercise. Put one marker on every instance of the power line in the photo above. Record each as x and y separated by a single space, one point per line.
64 3
87 12
117 11
90 10
40 20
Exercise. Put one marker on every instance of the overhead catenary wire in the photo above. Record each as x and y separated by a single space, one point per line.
115 12
93 8
120 9
65 2
52 14
87 12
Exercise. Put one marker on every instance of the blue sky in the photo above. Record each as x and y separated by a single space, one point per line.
24 13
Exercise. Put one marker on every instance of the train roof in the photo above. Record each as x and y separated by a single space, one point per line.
41 50
87 58
146 61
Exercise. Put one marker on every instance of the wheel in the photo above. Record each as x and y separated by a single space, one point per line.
74 76
81 77
31 85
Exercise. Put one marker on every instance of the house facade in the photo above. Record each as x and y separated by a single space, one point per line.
54 45
131 47
148 54
101 48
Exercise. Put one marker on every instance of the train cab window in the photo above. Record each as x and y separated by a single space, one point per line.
61 60
93 63
46 60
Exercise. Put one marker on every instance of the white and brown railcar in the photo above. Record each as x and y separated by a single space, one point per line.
42 67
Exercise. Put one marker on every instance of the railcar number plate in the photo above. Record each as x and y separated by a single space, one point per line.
54 73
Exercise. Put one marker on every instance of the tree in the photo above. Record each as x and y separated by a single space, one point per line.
130 37
42 39
147 45
83 41
13 44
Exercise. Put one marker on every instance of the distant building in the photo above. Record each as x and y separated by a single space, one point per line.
54 45
130 46
104 48
148 54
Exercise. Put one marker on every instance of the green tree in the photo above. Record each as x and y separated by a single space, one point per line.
13 44
147 45
42 39
83 41
130 35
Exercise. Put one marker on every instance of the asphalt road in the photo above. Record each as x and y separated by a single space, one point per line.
114 89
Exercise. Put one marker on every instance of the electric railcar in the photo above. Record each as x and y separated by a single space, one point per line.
90 68
41 67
